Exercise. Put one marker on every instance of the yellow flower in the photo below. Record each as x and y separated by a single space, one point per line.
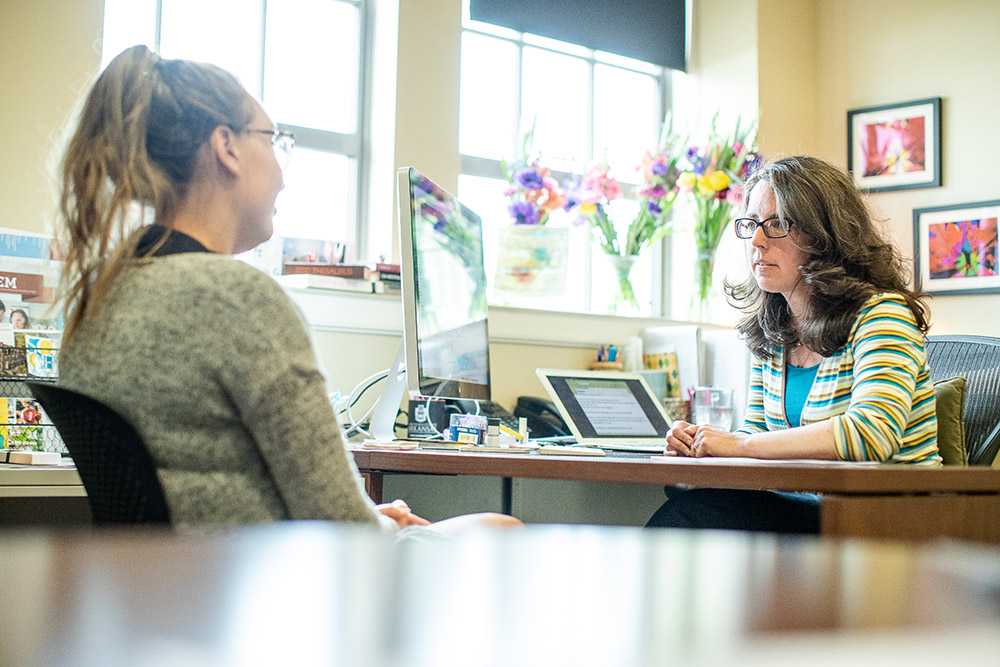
587 208
719 180
704 186
686 180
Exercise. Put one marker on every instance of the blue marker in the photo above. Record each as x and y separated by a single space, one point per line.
612 353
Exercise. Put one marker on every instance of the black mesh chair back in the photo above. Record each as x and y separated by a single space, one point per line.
110 456
977 359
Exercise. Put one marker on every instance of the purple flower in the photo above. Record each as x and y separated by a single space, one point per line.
697 159
424 185
656 192
523 213
654 208
658 168
440 225
529 178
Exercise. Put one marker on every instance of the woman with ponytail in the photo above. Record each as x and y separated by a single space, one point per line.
172 168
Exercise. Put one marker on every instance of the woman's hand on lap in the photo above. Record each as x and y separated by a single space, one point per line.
400 512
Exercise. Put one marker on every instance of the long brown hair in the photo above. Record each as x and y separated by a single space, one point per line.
849 261
133 153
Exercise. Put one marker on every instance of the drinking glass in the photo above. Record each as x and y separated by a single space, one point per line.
713 405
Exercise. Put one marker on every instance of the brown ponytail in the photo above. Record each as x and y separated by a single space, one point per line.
132 155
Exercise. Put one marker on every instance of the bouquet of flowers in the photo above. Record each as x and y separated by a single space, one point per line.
593 193
533 193
713 177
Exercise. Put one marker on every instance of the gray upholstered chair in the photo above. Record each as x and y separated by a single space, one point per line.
977 359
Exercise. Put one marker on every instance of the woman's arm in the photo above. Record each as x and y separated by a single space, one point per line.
812 441
271 377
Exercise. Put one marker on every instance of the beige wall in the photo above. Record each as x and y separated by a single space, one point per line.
869 53
48 54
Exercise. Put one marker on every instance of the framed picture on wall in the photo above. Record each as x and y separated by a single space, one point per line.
895 146
955 248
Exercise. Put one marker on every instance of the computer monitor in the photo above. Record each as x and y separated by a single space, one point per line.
445 347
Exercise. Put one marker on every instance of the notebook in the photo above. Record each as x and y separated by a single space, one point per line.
610 410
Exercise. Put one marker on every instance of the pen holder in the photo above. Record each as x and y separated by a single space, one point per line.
607 365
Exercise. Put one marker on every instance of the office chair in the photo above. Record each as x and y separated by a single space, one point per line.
110 456
977 359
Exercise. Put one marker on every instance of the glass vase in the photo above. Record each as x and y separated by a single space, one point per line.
625 301
704 266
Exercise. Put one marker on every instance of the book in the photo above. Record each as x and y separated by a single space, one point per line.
389 277
306 280
386 267
362 271
385 287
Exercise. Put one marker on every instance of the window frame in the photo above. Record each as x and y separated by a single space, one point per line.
477 166
350 145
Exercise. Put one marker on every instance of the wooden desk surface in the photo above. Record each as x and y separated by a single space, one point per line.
816 476
321 594
858 500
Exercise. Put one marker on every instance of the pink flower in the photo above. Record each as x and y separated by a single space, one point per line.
734 195
601 183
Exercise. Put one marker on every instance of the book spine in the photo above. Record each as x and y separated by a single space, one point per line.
338 270
389 277
329 282
385 267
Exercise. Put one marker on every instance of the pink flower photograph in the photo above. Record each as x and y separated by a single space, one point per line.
895 146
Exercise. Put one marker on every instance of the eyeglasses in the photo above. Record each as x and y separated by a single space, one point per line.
774 227
282 144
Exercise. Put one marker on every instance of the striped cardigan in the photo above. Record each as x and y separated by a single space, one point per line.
876 390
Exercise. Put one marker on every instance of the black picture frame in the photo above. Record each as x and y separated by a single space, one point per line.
895 146
955 249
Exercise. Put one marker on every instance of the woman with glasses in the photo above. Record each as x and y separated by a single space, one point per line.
205 355
839 368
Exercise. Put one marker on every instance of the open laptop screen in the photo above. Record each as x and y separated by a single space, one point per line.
603 405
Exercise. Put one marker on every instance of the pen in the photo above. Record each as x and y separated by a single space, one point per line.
600 353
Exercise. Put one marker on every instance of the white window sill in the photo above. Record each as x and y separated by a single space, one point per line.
377 314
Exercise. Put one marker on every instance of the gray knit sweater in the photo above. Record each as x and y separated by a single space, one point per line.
208 358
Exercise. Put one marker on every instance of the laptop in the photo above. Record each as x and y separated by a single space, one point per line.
610 410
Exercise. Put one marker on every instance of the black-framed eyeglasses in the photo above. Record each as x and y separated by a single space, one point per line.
774 227
282 144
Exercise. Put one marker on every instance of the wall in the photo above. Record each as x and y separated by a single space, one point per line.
871 53
48 53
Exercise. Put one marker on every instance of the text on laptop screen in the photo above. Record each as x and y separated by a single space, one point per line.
609 408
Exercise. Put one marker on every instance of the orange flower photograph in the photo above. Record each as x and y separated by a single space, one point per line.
956 249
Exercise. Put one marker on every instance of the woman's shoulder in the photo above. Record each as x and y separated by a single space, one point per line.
208 269
885 303
888 313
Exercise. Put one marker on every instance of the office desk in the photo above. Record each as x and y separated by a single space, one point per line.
320 594
859 500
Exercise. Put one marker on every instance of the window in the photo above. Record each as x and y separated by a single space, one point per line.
585 105
304 60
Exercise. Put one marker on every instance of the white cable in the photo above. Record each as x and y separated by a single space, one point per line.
354 425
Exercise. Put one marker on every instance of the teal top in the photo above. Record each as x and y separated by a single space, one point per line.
798 382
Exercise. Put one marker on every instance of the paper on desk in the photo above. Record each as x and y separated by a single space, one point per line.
743 461
389 444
